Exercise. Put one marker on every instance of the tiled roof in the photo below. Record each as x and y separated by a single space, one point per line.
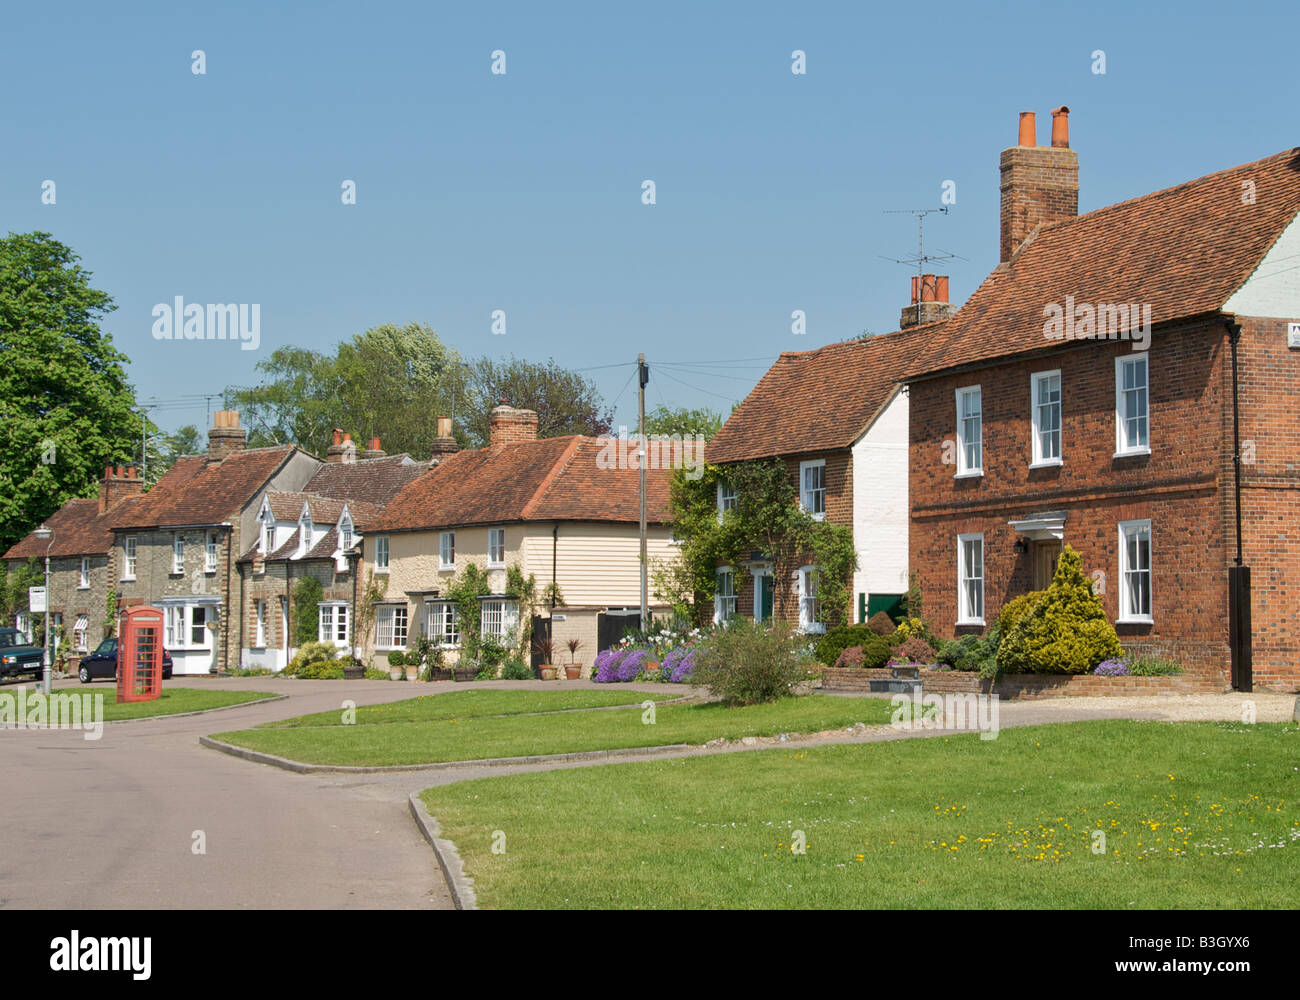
79 530
323 549
819 400
1183 250
373 480
545 480
287 506
194 491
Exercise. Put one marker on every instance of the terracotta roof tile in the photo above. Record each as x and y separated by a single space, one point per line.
374 480
194 491
79 530
1183 250
544 480
820 400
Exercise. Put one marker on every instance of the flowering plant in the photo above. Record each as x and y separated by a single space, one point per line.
1112 668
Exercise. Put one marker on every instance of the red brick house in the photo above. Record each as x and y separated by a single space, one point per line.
1125 381
837 418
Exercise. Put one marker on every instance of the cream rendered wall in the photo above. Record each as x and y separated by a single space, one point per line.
596 564
1273 289
880 504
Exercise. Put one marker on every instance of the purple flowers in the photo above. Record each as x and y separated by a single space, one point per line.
1112 668
614 666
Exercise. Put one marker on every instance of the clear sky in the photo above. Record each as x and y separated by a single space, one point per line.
523 192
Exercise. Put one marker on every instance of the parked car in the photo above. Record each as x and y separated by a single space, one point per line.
103 663
18 655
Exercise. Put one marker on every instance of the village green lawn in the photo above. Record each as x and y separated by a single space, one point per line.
1194 815
172 701
481 737
472 703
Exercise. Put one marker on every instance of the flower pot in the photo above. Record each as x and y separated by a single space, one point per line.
412 673
548 672
354 673
573 671
396 673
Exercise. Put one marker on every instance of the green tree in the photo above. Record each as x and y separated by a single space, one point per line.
566 402
65 403
683 421
391 382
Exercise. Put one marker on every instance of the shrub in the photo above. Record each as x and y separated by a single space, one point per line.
412 659
851 657
486 671
747 663
914 626
396 658
913 650
1063 629
516 669
307 593
836 640
1015 609
318 661
881 623
492 653
971 652
376 675
1153 666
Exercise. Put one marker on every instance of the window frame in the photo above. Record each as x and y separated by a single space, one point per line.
438 615
804 492
719 618
964 617
83 574
1122 448
447 546
339 620
259 619
965 470
178 554
1125 617
496 540
394 626
1037 459
130 551
381 546
210 546
509 608
726 496
808 619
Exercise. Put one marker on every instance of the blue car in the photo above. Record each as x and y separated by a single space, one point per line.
102 663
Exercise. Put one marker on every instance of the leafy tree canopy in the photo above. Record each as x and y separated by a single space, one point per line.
566 402
65 403
683 421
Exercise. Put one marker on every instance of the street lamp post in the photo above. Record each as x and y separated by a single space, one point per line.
44 532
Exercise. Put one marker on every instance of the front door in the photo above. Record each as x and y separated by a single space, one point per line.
763 595
1045 556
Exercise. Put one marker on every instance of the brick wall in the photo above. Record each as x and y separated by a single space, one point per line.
1178 486
1026 686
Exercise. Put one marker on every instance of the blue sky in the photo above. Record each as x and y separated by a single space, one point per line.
522 192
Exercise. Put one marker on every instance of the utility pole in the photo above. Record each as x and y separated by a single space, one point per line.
643 376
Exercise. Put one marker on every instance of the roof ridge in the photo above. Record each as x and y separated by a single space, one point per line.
556 468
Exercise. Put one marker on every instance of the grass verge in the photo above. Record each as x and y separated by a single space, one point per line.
172 701
1193 815
477 738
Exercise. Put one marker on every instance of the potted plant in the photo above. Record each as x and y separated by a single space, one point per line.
545 648
396 665
574 670
354 670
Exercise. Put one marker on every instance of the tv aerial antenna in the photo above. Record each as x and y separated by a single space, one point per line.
921 258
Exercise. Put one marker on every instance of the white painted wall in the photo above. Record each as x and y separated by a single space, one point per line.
880 504
1273 289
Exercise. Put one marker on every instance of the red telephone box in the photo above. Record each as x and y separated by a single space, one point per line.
139 654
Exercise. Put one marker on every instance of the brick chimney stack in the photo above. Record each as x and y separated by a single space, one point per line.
117 485
929 301
375 450
1040 184
444 444
343 450
507 425
226 436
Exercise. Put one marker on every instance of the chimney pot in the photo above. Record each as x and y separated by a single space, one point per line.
444 427
927 288
225 436
130 472
941 288
1061 127
374 444
1028 130
916 286
338 435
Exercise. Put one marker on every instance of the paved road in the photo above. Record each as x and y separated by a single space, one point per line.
110 823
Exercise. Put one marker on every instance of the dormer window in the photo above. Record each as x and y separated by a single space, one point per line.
268 537
345 533
304 532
